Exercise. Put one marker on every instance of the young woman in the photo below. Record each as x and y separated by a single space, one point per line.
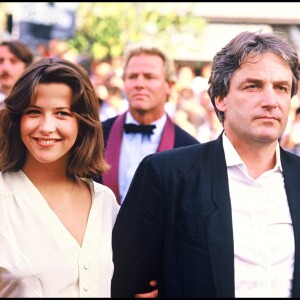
55 222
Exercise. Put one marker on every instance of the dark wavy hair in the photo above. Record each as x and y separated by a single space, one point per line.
231 57
20 50
86 157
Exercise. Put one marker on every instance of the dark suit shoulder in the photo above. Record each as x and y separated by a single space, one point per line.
289 160
183 138
183 158
289 155
106 127
109 122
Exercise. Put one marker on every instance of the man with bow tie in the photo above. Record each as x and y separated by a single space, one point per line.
149 76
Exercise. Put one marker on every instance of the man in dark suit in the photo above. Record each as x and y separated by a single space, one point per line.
221 219
149 76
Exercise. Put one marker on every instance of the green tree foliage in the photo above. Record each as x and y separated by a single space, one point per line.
104 29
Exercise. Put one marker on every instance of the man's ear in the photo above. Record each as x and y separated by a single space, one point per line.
220 103
171 84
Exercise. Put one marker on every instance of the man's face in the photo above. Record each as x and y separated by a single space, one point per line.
145 83
11 67
257 105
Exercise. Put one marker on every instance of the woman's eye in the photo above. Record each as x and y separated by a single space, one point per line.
32 112
63 113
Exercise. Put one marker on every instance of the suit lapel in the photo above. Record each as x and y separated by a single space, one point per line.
220 231
112 155
168 136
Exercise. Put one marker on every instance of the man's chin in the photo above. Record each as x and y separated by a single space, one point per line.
268 138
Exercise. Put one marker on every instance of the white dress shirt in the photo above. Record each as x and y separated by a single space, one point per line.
2 98
262 229
38 255
134 147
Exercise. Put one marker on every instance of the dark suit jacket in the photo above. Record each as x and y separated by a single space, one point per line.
175 224
178 138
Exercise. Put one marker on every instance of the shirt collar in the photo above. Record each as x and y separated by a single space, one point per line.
233 158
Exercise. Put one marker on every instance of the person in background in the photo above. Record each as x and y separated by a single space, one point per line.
55 222
113 105
145 127
221 219
15 56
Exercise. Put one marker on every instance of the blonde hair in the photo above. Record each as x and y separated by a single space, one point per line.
147 48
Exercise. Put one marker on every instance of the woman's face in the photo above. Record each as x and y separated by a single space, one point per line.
48 127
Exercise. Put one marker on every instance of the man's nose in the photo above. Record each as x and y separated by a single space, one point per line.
269 97
140 80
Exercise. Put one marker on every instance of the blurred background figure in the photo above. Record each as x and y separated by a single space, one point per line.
206 121
199 82
113 104
42 51
15 56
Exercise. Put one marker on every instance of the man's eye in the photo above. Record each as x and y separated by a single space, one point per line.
282 88
132 76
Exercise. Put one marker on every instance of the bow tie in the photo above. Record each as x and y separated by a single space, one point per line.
133 128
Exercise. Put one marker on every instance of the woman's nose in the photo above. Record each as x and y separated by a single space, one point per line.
47 124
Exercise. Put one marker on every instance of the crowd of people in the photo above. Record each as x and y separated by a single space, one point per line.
139 177
188 104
